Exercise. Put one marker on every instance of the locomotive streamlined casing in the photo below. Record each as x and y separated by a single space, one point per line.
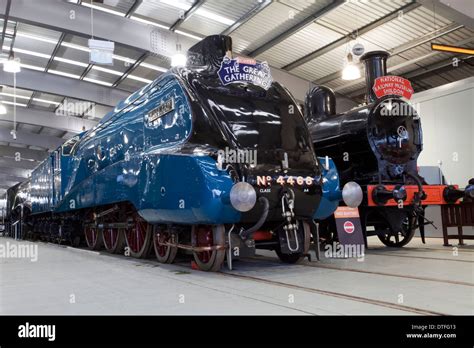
128 159
154 168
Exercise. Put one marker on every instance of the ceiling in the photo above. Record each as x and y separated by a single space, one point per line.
58 93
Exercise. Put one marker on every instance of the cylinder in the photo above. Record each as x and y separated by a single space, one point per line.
375 66
320 103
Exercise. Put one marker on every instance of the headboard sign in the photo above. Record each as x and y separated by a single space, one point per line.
392 85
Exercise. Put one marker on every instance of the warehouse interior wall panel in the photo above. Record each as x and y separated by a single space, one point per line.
447 116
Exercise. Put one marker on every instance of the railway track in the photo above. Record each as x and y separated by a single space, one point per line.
444 281
404 308
460 249
417 257
408 309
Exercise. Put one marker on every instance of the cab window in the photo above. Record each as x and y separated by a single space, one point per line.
69 146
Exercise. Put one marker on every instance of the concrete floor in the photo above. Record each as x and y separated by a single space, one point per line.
418 279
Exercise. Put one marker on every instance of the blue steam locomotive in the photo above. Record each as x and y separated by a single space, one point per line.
166 170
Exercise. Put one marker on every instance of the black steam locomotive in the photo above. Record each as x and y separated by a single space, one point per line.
377 145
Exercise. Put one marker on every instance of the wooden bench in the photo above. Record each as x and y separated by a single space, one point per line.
457 215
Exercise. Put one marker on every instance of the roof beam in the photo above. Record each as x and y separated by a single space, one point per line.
449 12
6 177
30 139
246 17
131 69
349 37
296 28
55 15
134 7
5 23
424 70
68 87
187 14
403 65
22 164
10 151
400 49
54 53
21 173
437 66
48 119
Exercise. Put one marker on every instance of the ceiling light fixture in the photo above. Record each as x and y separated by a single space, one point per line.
451 49
103 9
153 67
195 37
39 100
99 82
28 52
14 103
178 59
214 16
61 73
70 61
109 71
81 64
33 37
12 65
200 11
138 78
176 4
350 71
75 46
18 96
146 21
31 67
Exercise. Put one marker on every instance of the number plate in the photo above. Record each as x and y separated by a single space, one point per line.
164 108
266 180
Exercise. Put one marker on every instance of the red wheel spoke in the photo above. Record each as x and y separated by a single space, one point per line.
160 240
204 238
136 235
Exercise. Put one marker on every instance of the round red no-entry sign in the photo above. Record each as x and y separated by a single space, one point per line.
349 227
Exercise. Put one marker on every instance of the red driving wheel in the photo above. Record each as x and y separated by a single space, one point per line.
209 236
138 236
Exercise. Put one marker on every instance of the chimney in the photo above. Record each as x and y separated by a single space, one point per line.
210 51
375 66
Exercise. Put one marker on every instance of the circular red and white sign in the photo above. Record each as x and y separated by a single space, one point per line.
349 227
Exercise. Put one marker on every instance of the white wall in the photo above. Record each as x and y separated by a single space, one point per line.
447 118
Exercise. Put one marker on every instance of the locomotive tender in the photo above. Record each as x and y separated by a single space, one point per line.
377 145
151 174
